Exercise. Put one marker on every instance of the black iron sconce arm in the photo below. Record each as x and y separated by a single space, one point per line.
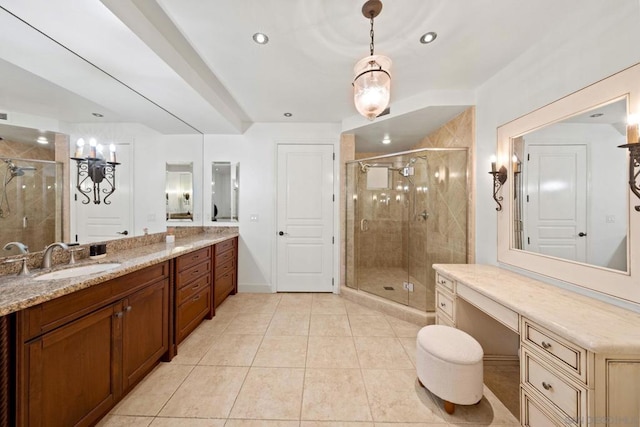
634 169
499 178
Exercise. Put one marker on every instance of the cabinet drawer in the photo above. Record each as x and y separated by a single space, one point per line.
445 281
572 358
443 320
535 414
225 268
191 312
224 285
553 386
225 246
444 304
186 276
186 292
224 257
187 260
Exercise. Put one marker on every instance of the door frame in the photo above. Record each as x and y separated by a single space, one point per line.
336 208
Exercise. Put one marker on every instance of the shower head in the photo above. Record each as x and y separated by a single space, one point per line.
14 170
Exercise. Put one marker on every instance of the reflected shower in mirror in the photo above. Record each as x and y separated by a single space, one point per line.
570 192
179 191
225 186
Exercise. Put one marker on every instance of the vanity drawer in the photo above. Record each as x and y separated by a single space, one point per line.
185 292
224 285
554 387
225 268
185 261
444 304
444 320
225 246
570 357
223 257
535 414
186 276
504 315
191 312
445 281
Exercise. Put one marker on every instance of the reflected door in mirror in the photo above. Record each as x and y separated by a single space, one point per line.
225 187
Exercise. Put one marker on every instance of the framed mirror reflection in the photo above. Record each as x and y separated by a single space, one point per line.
179 191
225 187
570 198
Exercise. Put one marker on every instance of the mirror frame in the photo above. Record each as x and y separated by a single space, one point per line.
615 283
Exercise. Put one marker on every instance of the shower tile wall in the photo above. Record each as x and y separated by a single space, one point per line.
40 205
458 132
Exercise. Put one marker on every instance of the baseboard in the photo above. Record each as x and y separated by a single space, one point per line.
499 359
255 288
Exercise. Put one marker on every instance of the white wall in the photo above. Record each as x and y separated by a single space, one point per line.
555 67
256 152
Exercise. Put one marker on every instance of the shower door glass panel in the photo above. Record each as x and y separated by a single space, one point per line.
31 205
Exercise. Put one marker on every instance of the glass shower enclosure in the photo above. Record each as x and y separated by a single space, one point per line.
404 213
30 203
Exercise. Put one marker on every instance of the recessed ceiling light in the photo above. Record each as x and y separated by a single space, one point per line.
288 114
260 38
386 140
42 140
597 115
428 37
97 115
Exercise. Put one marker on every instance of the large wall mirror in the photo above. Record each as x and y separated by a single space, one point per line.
38 179
568 213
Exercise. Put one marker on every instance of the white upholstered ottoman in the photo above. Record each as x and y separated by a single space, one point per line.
449 364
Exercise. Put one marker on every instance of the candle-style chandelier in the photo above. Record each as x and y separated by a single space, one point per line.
96 176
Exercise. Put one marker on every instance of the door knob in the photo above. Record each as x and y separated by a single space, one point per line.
282 233
125 232
582 234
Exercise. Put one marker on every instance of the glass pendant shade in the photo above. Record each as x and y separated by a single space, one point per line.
372 85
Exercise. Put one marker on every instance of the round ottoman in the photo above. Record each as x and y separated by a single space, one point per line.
449 364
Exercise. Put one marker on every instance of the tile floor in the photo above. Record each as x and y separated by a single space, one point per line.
285 360
374 280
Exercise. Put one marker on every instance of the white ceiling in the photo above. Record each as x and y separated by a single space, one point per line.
193 64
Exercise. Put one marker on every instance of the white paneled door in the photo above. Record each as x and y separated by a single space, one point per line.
96 222
305 218
556 201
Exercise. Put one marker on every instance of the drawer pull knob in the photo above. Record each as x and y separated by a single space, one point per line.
128 308
118 315
546 386
196 298
443 304
196 286
546 345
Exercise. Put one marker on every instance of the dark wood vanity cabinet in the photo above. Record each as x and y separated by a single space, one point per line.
83 351
193 291
226 270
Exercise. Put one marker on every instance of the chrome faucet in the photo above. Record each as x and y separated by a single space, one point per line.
18 245
46 258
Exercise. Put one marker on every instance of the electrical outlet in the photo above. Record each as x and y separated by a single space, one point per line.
253 217
611 219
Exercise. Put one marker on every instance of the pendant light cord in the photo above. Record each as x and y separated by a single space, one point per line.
371 34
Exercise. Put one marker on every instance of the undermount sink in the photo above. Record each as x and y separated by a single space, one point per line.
78 271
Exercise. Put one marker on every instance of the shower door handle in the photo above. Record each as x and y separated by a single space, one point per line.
364 225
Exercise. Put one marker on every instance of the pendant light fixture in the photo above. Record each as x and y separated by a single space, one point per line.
372 81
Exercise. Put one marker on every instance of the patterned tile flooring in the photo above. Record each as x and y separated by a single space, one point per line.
375 279
285 360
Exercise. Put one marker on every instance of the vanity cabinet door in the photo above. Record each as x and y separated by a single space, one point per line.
71 373
145 331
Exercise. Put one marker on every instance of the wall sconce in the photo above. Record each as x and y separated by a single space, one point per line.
97 169
499 178
633 144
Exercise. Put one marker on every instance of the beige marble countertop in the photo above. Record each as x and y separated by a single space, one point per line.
19 292
595 325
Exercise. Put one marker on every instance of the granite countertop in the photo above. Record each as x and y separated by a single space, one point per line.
595 325
20 292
